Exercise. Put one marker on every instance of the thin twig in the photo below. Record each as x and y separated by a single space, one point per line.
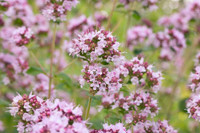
111 13
51 61
88 108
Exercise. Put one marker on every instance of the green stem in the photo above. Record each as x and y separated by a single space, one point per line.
111 13
51 61
88 108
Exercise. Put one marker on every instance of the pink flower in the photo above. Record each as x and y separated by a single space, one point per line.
56 10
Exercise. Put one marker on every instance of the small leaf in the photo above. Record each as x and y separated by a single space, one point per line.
137 51
34 70
182 105
136 15
120 6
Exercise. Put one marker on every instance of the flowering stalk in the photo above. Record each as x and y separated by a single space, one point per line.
88 108
51 61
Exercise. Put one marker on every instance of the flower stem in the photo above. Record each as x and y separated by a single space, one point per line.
51 61
88 108
111 13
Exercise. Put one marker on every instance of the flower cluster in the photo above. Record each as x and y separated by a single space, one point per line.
117 128
80 24
41 116
22 36
170 40
181 19
137 34
141 74
12 66
193 106
137 107
96 46
195 80
153 127
56 10
178 20
100 79
151 4
194 9
20 13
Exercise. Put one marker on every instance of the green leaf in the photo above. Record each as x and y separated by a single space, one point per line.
34 70
136 15
66 79
4 102
182 105
120 6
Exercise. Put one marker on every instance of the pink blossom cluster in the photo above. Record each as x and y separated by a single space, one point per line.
22 36
95 46
178 20
83 24
151 4
193 106
6 35
100 79
39 116
136 107
117 128
194 9
142 74
56 10
19 13
195 80
12 66
181 19
137 35
193 103
171 41
153 127
80 24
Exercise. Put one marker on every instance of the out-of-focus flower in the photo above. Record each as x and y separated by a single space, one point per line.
22 36
79 25
151 4
170 40
137 35
56 10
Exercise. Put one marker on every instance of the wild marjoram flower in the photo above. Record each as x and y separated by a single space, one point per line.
96 46
151 4
56 10
22 36
39 116
193 103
